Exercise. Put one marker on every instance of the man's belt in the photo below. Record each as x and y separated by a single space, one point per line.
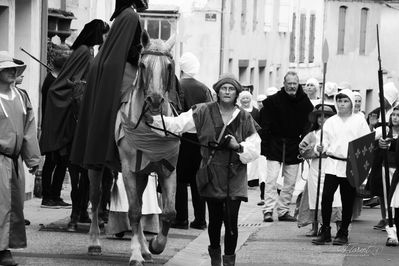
14 159
336 158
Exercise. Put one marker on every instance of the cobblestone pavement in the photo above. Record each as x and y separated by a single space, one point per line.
259 243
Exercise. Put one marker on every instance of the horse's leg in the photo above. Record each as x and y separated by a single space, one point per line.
145 252
95 178
168 185
135 186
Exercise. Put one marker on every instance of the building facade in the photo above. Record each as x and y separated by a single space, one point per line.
349 27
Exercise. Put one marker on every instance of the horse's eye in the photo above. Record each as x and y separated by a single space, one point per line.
170 67
141 65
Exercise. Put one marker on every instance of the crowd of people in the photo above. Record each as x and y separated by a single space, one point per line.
257 142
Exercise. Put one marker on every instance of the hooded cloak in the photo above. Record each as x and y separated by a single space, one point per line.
92 34
94 145
121 5
59 121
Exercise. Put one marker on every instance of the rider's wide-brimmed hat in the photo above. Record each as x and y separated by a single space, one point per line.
7 61
328 111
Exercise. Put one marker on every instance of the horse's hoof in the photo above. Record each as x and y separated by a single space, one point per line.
94 250
153 250
147 257
135 263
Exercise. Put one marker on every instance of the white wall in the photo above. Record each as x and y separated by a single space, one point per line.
389 39
197 35
264 41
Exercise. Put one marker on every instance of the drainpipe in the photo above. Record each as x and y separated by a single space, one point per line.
222 37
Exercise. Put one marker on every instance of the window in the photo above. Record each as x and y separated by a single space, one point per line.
341 30
230 65
5 26
262 78
255 17
159 29
243 15
311 37
243 70
363 29
271 81
232 11
252 76
242 74
302 32
292 39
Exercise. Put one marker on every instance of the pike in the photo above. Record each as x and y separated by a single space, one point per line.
324 57
37 60
385 176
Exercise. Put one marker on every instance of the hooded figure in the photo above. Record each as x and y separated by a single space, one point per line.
114 65
189 64
59 121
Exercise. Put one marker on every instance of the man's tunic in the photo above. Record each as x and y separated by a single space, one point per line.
18 142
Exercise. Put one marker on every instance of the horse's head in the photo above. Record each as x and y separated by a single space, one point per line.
156 75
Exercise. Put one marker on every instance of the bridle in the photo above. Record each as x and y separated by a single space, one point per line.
145 105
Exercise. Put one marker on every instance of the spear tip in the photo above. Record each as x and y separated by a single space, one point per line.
325 55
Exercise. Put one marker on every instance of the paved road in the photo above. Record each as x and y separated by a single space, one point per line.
278 243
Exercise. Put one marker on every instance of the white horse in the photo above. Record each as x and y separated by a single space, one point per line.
142 151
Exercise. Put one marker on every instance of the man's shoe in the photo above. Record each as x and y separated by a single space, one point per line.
49 204
179 224
381 225
62 204
371 202
6 258
324 236
286 218
198 225
341 238
268 217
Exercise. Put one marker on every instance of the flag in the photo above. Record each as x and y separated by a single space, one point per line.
360 159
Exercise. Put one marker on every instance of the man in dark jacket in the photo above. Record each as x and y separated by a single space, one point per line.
284 119
189 156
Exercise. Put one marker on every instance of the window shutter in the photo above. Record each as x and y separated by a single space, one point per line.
311 37
302 32
363 29
293 39
268 15
284 16
341 30
243 15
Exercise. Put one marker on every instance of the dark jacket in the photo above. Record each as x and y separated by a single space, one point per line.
284 120
189 160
